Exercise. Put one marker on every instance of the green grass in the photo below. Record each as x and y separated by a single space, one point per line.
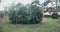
47 25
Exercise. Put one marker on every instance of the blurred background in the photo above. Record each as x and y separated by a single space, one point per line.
35 15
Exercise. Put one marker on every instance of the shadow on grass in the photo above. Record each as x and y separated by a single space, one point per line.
1 30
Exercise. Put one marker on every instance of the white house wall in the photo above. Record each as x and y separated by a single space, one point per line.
47 13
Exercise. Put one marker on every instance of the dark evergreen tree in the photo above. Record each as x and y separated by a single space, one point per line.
21 15
47 2
36 11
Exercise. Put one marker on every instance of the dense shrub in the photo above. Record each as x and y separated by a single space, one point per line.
55 15
23 17
31 15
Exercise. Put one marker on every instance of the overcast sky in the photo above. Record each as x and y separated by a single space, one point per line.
5 3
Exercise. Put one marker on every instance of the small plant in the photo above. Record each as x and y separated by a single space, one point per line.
55 15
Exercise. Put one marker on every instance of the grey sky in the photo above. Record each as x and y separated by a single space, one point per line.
5 3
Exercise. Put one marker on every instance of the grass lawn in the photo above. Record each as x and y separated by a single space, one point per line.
47 25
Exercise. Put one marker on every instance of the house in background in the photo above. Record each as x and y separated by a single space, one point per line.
51 10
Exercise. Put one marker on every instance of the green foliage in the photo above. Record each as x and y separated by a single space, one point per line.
55 15
46 3
21 14
1 14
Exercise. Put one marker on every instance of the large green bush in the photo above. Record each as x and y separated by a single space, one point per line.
31 15
22 16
